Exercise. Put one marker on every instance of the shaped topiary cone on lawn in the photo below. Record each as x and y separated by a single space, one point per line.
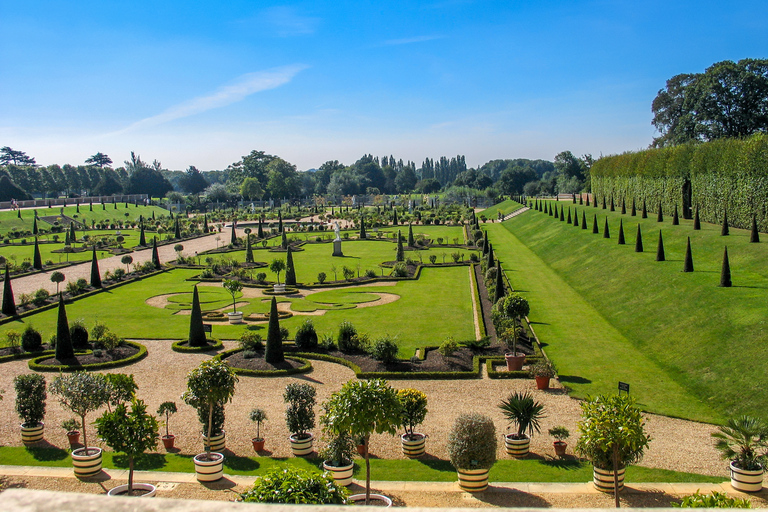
9 306
645 211
499 283
623 206
400 255
491 260
724 230
569 220
639 240
613 208
725 272
562 213
37 261
634 209
64 350
95 275
411 242
583 220
675 218
155 255
290 270
660 249
660 215
197 336
604 205
595 230
274 350
696 221
754 236
621 232
688 264
606 231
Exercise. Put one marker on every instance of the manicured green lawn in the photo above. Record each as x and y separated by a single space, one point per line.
434 470
709 340
505 207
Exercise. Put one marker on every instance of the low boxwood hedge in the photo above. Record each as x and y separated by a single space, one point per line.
35 365
25 355
213 344
304 368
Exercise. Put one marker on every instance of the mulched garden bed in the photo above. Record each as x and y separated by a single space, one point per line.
258 363
9 351
117 354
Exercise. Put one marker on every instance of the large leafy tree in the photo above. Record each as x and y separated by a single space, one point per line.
282 179
148 181
99 159
253 165
251 189
12 156
193 181
730 99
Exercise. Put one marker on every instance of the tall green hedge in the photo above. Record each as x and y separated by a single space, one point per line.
725 174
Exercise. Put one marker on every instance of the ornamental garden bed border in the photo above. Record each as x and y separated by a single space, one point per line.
46 268
490 362
25 355
178 346
35 365
305 367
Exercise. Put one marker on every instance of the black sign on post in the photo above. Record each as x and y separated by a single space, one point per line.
623 386
208 328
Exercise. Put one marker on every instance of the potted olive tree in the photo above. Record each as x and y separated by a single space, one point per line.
131 432
560 434
472 450
522 410
30 406
277 266
258 416
167 409
743 441
363 407
413 405
81 393
300 416
209 387
542 372
234 287
338 453
612 437
506 314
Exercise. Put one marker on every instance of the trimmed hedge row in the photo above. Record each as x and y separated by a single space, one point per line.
478 304
493 374
725 175
178 347
25 355
304 368
141 354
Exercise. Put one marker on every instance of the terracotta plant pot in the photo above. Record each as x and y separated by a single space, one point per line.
361 450
542 382
560 447
515 361
258 444
74 437
168 441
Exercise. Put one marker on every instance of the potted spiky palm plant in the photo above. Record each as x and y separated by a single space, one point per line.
743 441
522 410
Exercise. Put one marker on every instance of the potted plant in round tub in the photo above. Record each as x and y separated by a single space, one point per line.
743 441
522 410
338 453
472 450
362 408
414 409
30 406
209 387
542 372
133 433
612 437
278 266
560 434
72 428
234 287
81 393
506 314
167 409
300 416
258 416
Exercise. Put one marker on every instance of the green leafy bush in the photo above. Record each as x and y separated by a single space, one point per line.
346 338
476 345
306 336
448 347
715 499
291 485
31 339
384 349
30 398
79 334
251 341
472 442
40 297
400 270
370 273
300 414
321 277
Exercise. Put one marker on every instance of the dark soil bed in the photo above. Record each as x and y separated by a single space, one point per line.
115 355
258 363
7 351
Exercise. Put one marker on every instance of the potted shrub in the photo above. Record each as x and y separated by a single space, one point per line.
300 416
362 408
81 393
413 405
258 416
277 266
337 454
233 287
505 315
167 409
30 406
612 437
295 486
472 450
209 387
72 428
522 410
131 432
560 434
543 371
743 441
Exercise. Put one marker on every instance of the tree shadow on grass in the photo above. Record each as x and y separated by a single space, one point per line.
567 463
47 453
146 462
573 379
436 464
646 498
239 463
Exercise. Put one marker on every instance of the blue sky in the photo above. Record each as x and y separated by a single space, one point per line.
203 83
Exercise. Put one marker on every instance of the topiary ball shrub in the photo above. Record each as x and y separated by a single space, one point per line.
472 442
251 341
306 336
384 349
346 339
79 335
292 485
31 340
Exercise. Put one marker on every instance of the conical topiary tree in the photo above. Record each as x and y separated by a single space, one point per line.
491 260
279 221
562 213
587 199
499 292
176 229
284 241
696 221
688 264
206 229
400 255
584 219
639 240
362 228
605 206
155 255
595 230
621 232
675 218
248 249
95 275
754 236
606 231
645 211
197 336
290 270
64 349
260 231
72 234
725 272
660 214
233 237
9 306
394 217
724 230
35 231
633 213
142 237
411 242
569 219
613 208
575 217
274 350
660 249
37 261
623 206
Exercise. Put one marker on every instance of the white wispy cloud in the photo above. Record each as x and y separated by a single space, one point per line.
287 21
238 90
411 40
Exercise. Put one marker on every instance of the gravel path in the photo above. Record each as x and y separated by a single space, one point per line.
677 444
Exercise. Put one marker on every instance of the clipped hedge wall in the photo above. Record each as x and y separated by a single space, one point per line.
35 365
178 347
725 174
